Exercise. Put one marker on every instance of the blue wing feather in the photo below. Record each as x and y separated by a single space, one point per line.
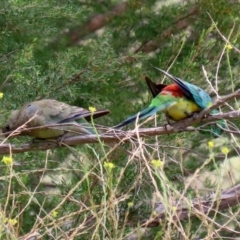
198 95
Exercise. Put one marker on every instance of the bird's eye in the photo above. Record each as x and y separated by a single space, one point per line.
6 128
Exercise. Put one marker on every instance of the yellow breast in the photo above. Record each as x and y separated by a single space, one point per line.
184 108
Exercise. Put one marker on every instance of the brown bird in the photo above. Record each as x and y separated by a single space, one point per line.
47 112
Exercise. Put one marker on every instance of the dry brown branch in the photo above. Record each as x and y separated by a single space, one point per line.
115 135
181 23
31 236
208 204
76 34
121 136
191 208
219 102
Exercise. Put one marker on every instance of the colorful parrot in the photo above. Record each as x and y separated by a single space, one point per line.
178 101
47 112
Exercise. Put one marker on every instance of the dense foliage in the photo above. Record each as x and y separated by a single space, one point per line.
96 53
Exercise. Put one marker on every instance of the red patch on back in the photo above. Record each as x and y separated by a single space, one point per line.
173 89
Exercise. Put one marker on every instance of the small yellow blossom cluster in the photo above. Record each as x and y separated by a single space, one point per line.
11 221
211 144
1 95
130 204
174 208
229 47
157 163
92 109
54 213
7 160
109 165
225 150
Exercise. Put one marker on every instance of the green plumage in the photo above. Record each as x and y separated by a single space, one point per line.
196 94
178 101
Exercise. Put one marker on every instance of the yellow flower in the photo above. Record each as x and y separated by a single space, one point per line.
225 150
155 213
174 208
1 95
92 109
7 160
54 213
229 46
108 165
11 221
157 163
130 204
211 144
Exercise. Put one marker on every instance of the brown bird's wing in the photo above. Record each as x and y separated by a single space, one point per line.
46 112
59 112
97 114
154 87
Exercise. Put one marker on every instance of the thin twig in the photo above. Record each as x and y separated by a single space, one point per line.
207 204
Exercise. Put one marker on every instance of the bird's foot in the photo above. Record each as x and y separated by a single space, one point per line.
195 115
168 119
166 125
60 139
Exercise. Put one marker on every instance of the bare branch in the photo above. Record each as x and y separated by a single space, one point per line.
208 204
76 34
181 23
114 135
220 102
187 208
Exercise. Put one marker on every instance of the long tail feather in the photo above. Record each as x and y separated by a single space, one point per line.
221 123
87 115
157 105
217 129
149 111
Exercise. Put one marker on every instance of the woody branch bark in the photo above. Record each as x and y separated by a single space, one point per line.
183 210
181 23
197 207
76 34
114 135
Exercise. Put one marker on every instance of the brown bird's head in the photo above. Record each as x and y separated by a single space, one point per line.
9 125
20 118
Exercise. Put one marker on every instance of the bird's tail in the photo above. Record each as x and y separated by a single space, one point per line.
216 130
155 88
86 126
147 112
159 103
